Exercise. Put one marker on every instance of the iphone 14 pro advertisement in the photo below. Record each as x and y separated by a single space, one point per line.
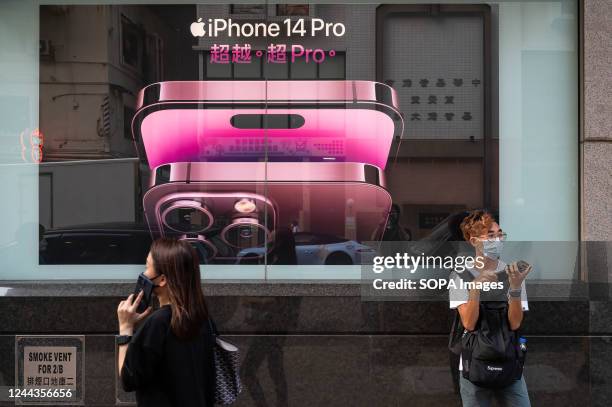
245 135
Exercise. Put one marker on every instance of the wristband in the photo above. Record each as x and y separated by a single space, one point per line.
123 339
514 293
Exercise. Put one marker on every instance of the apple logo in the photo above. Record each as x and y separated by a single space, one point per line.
197 28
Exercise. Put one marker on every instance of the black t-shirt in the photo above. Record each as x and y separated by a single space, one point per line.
167 371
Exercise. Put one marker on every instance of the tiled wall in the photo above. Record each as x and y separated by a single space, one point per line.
330 351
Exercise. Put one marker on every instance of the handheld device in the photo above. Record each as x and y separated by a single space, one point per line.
502 275
522 266
145 285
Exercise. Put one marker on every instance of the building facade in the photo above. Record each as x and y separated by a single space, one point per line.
537 151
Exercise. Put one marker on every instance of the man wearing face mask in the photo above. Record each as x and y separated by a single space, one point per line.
486 238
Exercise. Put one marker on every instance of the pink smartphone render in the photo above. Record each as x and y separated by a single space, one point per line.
232 161
350 121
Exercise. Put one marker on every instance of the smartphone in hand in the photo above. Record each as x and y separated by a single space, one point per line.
503 275
145 285
522 266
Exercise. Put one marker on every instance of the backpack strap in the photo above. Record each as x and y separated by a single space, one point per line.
213 327
454 339
454 349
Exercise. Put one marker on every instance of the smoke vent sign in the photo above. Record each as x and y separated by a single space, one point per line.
47 366
49 369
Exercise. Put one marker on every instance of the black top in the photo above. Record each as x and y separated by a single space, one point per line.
167 371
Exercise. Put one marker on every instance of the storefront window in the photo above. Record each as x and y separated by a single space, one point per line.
113 132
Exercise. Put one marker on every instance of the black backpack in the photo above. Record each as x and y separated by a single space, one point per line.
490 354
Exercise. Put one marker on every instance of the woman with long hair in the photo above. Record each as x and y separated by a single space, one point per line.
169 359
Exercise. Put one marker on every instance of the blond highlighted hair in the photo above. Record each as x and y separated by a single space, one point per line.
476 223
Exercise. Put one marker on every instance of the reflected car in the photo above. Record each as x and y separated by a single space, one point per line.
117 243
320 249
104 243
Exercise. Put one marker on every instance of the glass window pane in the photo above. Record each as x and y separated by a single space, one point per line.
250 70
300 69
276 70
216 70
333 67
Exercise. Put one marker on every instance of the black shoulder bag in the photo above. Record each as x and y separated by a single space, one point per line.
227 369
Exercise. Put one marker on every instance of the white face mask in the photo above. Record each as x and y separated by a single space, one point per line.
492 248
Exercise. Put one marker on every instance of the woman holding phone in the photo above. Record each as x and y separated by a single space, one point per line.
168 360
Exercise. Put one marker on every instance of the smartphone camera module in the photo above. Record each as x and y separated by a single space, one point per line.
205 249
186 216
245 232
245 205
